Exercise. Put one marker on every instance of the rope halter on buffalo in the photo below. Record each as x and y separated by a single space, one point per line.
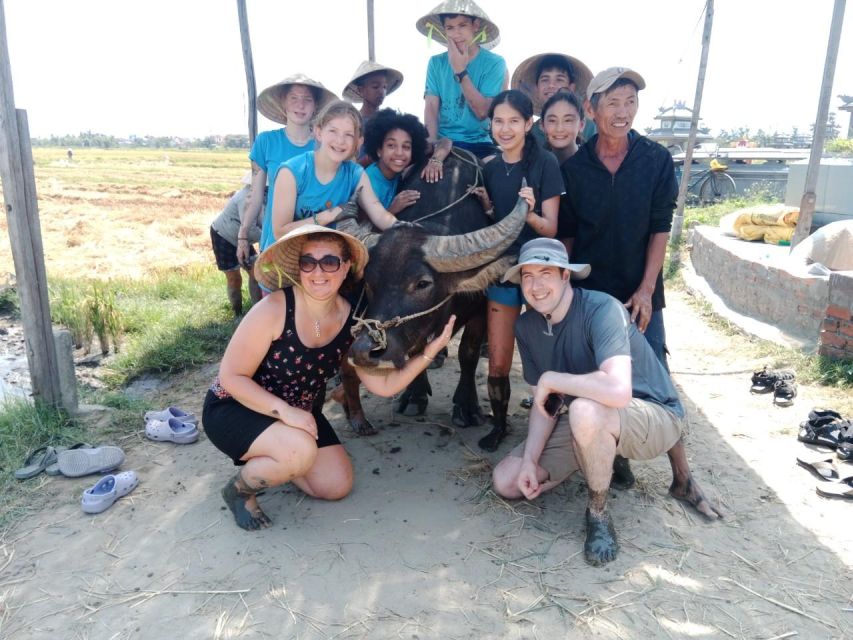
376 328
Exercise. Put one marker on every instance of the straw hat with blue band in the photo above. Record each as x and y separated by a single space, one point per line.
269 102
430 25
278 265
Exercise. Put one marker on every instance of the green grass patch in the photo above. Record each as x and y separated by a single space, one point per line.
166 323
23 428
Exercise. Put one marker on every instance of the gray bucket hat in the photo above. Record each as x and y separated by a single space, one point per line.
269 102
547 252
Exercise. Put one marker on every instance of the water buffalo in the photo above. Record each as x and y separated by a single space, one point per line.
418 275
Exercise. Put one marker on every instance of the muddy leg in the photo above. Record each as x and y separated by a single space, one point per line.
241 499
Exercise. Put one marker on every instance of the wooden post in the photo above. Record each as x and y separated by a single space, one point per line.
371 51
19 195
678 219
807 204
250 70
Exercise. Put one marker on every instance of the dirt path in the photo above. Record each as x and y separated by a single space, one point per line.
422 549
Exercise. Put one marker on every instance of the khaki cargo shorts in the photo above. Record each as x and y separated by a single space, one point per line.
647 430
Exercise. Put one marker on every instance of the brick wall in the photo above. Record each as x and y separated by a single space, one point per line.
796 304
836 330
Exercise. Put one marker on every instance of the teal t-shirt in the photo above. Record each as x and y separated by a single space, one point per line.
384 188
270 149
312 196
455 118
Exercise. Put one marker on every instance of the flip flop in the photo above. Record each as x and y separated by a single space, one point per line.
53 470
843 490
824 469
83 462
107 490
36 462
171 412
173 430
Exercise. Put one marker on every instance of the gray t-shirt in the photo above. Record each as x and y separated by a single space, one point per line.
596 328
227 223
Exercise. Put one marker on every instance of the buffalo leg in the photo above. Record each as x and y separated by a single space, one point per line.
466 404
414 400
352 401
499 391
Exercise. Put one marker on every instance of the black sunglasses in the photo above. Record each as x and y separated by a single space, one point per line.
328 263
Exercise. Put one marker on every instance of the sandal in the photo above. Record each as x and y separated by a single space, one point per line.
824 436
820 413
784 392
842 489
764 380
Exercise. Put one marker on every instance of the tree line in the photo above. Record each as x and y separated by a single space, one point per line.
91 139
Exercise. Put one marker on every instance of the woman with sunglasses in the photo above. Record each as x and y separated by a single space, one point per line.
260 409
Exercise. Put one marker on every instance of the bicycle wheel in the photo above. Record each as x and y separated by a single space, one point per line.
716 187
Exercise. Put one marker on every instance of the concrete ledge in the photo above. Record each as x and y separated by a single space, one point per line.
759 283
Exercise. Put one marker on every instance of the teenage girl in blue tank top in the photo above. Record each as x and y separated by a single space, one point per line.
312 188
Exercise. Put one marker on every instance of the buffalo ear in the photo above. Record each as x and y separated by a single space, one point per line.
476 280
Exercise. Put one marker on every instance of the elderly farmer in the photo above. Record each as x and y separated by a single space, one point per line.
543 75
292 102
461 82
579 349
261 410
223 236
620 198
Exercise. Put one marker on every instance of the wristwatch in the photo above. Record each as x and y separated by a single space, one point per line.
460 75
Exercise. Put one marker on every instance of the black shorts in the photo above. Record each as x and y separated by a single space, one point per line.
226 253
232 427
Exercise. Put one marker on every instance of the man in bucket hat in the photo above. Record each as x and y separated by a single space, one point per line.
462 81
599 391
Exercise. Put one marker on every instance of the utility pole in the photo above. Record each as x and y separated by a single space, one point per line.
678 219
807 204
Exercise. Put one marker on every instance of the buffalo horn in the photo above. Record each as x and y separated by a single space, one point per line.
451 254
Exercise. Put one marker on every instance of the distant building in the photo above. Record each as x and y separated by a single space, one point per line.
674 128
848 107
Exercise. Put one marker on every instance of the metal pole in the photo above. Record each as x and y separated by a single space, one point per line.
250 69
678 219
807 204
19 195
371 51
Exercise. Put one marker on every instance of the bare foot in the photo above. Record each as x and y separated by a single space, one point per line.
244 506
600 546
690 493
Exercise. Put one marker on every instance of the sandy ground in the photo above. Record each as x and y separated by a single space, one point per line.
423 549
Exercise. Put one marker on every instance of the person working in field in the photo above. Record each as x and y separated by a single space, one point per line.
224 231
261 410
579 350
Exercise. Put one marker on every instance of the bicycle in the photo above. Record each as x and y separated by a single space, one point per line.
713 184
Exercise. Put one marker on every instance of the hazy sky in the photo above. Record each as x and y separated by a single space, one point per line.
175 67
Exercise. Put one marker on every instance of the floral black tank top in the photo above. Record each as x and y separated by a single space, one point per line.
293 372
